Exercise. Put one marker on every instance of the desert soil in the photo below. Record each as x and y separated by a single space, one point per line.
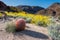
32 32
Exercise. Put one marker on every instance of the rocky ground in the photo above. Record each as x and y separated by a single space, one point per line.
32 32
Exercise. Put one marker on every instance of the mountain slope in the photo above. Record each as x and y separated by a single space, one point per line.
53 10
30 9
3 6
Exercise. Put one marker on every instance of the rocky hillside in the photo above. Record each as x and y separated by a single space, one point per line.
30 9
53 10
3 6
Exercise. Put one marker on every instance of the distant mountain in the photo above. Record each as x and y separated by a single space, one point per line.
53 9
30 9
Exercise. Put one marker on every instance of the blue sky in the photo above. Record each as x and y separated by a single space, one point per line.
42 3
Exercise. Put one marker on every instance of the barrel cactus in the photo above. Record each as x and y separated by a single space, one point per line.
20 24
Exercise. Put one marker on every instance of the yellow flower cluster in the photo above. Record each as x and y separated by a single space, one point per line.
35 18
0 14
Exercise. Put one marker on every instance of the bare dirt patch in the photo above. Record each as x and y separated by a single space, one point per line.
32 32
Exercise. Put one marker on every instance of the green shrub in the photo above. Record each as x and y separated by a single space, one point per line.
40 23
28 20
21 17
54 31
59 17
53 20
10 27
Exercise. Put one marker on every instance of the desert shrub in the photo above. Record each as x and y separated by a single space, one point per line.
28 20
54 31
40 23
59 17
19 17
0 14
22 17
52 20
10 27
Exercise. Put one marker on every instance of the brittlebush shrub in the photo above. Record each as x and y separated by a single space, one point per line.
41 23
10 27
28 20
54 31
